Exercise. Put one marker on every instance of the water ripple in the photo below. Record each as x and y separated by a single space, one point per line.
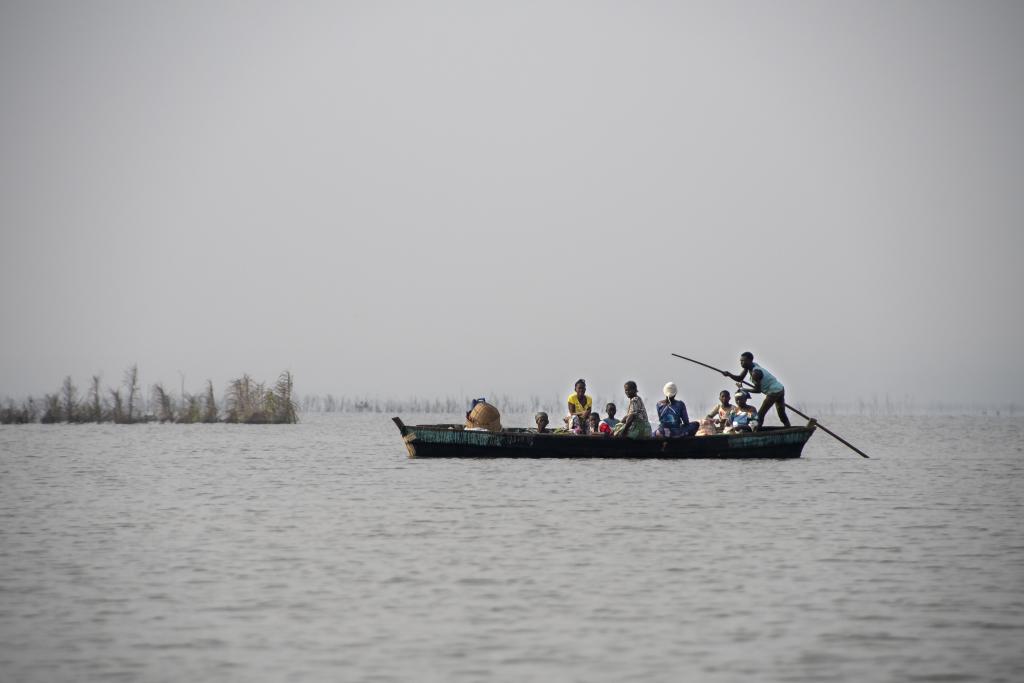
320 552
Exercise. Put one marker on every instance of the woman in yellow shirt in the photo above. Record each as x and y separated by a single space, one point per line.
579 403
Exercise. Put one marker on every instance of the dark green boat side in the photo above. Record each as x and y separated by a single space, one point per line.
452 441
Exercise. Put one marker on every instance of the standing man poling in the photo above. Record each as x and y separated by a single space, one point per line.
764 383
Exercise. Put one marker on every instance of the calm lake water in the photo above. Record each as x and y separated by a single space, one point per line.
320 552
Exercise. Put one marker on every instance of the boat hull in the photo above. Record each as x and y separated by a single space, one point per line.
452 441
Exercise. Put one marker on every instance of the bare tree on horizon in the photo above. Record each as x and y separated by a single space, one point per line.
69 397
131 382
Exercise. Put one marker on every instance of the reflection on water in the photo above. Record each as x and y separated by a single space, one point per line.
320 552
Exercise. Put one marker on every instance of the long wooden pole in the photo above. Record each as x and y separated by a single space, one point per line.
809 419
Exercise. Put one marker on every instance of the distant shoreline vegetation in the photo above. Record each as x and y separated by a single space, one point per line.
245 401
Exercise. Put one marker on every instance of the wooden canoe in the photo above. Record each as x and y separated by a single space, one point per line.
452 441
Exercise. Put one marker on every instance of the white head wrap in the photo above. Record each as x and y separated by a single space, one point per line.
669 390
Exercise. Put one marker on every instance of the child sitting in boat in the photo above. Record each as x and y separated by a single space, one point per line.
594 424
608 424
722 413
573 425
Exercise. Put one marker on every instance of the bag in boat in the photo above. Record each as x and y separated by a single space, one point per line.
707 427
484 416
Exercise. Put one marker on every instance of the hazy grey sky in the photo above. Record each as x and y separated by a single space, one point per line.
463 197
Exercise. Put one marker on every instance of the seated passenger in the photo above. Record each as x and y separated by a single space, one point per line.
744 418
594 424
541 419
635 425
579 403
608 424
674 422
483 417
722 413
